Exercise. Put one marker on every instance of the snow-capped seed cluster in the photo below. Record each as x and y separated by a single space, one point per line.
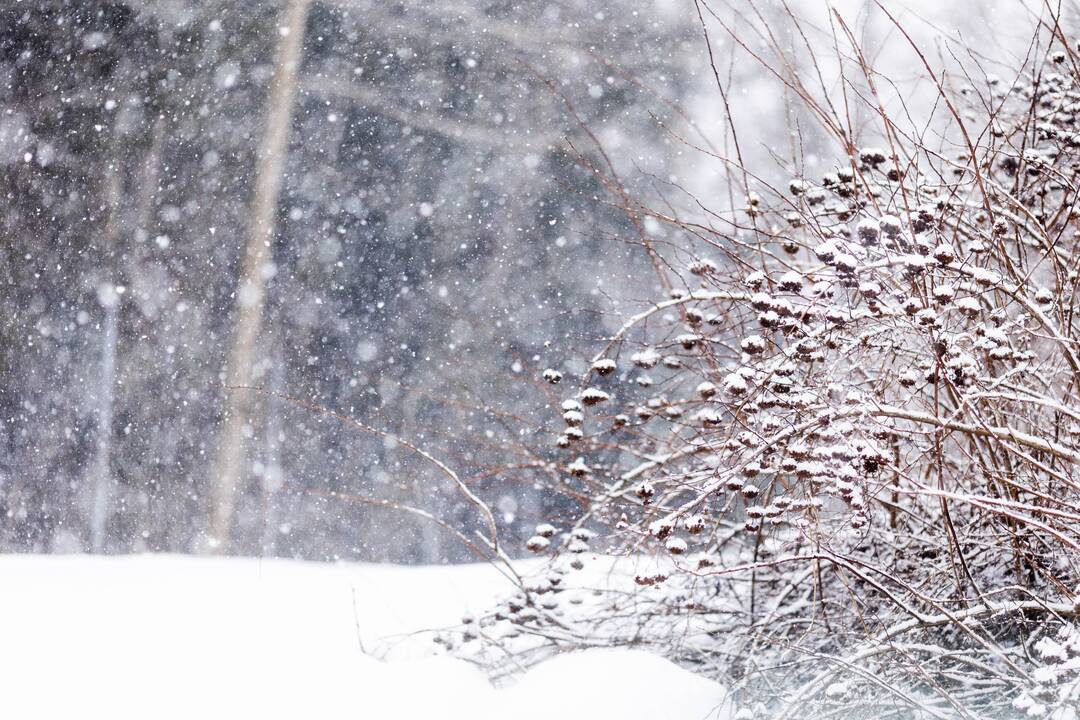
594 396
553 376
703 267
603 366
646 359
578 468
537 544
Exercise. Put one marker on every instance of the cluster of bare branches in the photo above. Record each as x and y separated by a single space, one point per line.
850 429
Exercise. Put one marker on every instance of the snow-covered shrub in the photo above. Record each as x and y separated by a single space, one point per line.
859 477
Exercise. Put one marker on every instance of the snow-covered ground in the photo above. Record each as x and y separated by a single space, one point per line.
181 637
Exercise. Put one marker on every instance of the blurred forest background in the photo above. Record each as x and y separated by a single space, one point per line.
436 241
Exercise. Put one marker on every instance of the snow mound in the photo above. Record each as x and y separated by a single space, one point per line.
177 637
595 684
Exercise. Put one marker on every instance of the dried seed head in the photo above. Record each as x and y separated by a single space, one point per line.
926 317
845 263
891 226
675 546
688 340
868 231
753 345
573 418
825 252
754 280
537 544
594 396
911 306
769 319
703 267
944 253
735 384
761 301
604 366
943 294
695 524
578 468
790 281
872 156
646 359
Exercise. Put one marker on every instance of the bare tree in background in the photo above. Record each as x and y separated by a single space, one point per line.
228 464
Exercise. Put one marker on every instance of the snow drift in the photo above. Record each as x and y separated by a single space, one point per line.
177 637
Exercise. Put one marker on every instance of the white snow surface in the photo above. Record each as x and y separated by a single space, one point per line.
159 636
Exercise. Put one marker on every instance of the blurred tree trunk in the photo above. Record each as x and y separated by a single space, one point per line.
273 480
101 502
141 224
148 192
109 298
273 149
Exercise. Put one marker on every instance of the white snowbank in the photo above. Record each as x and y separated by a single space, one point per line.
179 637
